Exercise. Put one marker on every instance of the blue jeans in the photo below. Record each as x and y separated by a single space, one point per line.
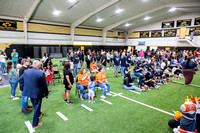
24 102
13 84
104 87
81 88
75 69
15 64
3 67
138 74
134 77
98 64
132 88
79 64
122 71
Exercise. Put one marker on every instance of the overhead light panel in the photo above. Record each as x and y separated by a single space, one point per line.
119 11
167 24
99 20
72 1
56 13
127 24
147 18
172 9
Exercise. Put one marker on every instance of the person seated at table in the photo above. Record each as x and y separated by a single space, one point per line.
93 67
129 85
102 82
83 80
127 71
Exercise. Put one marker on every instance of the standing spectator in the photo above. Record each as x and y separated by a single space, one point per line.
116 63
123 63
141 54
91 89
49 75
76 60
14 56
3 62
102 82
34 83
25 105
13 79
192 35
68 82
45 57
82 58
195 53
103 59
98 59
108 59
88 58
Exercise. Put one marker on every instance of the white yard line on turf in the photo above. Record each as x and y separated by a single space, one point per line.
4 86
106 101
117 94
144 104
29 126
86 107
62 116
134 91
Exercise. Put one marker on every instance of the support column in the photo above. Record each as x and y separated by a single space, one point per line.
104 36
25 32
72 34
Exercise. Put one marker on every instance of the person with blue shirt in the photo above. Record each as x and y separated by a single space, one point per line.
80 60
116 63
151 66
91 88
142 84
14 56
138 70
129 59
181 60
127 71
123 63
144 67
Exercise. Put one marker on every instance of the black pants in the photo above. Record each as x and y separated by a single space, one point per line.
88 64
150 84
37 106
198 122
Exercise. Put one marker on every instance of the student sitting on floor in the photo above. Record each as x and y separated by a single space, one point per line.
91 88
129 85
127 71
93 67
141 83
149 81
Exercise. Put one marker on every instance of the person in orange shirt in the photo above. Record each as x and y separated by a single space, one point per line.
83 80
102 82
93 67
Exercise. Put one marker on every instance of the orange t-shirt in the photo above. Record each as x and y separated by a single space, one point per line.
101 76
93 66
85 81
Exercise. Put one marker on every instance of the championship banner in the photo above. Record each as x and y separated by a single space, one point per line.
8 25
156 33
169 24
196 30
144 34
169 33
197 21
185 22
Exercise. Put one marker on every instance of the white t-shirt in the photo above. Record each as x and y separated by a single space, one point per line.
163 65
2 58
108 56
44 58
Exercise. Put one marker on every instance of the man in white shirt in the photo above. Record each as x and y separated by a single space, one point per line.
3 62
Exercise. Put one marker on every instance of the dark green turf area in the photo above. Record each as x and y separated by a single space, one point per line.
122 116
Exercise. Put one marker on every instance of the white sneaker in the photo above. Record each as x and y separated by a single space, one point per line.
88 101
15 98
102 96
108 94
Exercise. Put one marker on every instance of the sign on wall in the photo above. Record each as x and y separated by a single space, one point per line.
144 34
169 24
170 33
197 21
196 30
185 22
156 33
8 25
141 43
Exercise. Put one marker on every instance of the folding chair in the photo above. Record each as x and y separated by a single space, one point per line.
57 76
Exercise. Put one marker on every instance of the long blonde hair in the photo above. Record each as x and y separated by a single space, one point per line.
123 54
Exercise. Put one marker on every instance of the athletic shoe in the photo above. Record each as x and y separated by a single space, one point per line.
38 125
113 77
148 88
69 103
108 94
26 111
64 100
49 92
29 106
89 101
116 76
15 98
93 101
102 96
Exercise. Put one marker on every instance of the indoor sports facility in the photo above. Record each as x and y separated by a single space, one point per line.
99 66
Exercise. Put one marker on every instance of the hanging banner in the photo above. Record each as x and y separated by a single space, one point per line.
197 21
170 33
169 24
185 22
156 33
144 34
8 25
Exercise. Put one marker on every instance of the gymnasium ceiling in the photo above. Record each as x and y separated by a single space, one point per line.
71 12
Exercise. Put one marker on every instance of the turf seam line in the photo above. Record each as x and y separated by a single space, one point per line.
105 101
62 116
29 126
188 84
145 105
86 107
134 91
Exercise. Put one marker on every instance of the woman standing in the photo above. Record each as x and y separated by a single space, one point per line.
83 80
123 63
3 62
49 75
13 79
108 59
188 70
45 57
68 82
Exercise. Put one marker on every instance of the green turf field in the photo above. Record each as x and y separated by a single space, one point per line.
123 116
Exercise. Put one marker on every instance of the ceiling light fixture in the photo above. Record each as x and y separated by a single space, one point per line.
119 11
56 13
72 1
99 20
127 24
147 18
172 9
167 24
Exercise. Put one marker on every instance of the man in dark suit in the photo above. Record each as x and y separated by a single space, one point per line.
34 83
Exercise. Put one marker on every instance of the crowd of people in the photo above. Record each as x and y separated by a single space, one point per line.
151 69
